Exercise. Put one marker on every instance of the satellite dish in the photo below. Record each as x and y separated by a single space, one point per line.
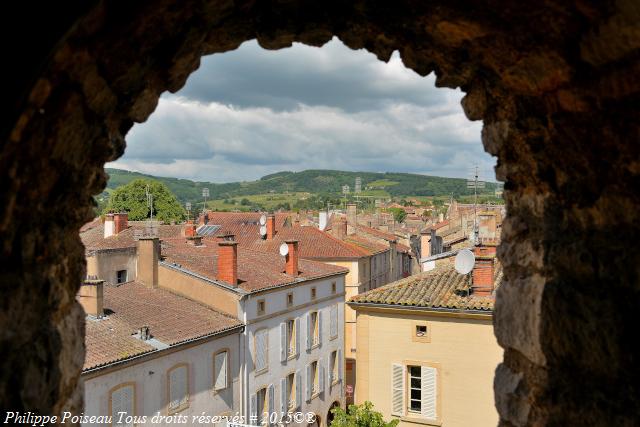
263 230
465 261
284 249
263 220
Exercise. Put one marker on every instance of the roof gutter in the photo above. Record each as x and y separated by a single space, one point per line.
418 308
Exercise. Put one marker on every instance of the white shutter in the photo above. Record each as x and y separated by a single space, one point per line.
309 331
320 368
220 363
122 401
284 342
178 394
319 320
271 399
329 370
283 395
333 322
340 362
298 389
429 391
261 349
253 409
397 389
298 333
309 384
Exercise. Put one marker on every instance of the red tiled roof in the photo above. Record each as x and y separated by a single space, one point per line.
442 287
256 270
172 320
313 243
93 238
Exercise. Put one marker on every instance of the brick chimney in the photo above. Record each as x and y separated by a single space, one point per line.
121 221
91 297
189 229
228 262
483 271
109 225
148 256
291 266
271 226
351 218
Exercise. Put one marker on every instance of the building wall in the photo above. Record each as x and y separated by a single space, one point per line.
105 265
277 312
465 349
198 290
151 383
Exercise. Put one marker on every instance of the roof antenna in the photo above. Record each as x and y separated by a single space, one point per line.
150 230
475 183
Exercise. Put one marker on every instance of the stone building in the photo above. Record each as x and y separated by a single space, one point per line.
427 353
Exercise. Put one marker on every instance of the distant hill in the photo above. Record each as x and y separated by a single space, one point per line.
315 181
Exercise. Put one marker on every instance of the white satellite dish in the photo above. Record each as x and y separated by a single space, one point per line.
263 220
284 249
263 230
465 261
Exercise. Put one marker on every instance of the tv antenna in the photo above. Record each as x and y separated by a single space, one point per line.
475 183
188 207
149 201
205 194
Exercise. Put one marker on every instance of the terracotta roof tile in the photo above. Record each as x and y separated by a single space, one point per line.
172 319
93 237
442 287
257 270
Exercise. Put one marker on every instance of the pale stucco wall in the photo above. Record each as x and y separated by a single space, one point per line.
105 265
465 349
151 382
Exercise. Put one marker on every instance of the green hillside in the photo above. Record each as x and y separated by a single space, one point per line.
325 184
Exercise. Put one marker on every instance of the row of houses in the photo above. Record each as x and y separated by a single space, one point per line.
191 325
211 318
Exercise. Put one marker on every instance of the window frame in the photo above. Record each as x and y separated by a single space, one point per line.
314 293
228 369
334 288
416 416
126 276
315 339
265 403
131 384
315 370
414 332
185 405
261 307
291 392
291 338
290 299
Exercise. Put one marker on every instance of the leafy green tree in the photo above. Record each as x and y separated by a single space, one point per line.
398 214
132 198
360 416
245 202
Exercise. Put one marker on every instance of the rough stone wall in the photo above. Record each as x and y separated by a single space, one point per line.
554 81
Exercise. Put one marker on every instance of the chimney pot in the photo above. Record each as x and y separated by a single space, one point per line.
291 260
109 225
228 262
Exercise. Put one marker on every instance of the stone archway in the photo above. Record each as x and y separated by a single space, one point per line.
555 84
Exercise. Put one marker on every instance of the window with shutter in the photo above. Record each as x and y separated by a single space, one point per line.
320 378
319 329
298 390
397 389
291 337
308 383
261 350
261 405
297 340
333 323
339 362
271 405
122 401
178 388
292 392
220 369
283 342
284 392
429 377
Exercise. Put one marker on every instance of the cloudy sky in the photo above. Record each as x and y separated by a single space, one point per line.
251 112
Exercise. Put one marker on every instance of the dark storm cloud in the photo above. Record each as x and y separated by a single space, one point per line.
251 112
